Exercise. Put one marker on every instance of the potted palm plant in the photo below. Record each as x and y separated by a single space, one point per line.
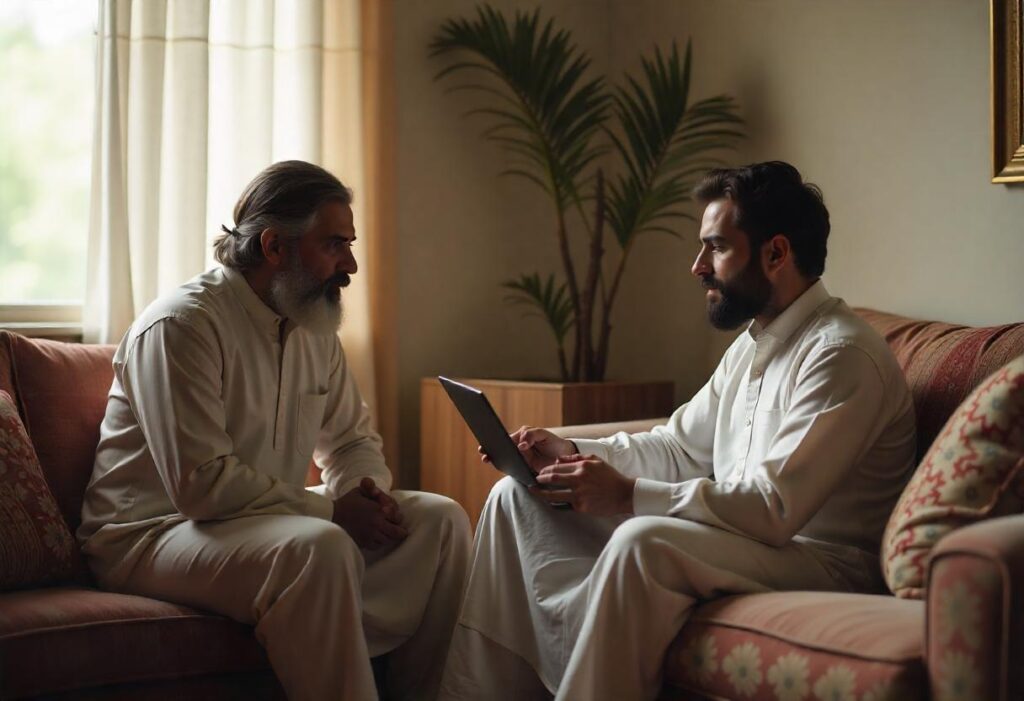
561 128
617 162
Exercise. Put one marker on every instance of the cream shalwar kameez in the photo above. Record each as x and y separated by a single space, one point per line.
217 407
780 473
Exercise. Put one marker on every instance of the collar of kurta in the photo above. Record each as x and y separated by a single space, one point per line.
793 316
263 317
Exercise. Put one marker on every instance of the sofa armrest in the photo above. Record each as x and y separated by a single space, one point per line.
975 612
607 429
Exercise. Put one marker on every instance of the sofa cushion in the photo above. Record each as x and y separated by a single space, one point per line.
800 645
35 544
62 394
973 471
60 638
944 362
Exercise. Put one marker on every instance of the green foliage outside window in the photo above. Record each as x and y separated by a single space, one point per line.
47 51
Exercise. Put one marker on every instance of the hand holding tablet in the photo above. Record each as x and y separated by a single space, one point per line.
495 442
540 447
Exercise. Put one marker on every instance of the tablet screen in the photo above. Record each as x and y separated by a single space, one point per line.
482 420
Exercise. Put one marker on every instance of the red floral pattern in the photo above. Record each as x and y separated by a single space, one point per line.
965 620
728 663
35 544
973 471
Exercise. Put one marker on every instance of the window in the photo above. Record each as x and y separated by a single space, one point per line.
47 83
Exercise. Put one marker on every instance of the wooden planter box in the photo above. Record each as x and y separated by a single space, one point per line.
449 462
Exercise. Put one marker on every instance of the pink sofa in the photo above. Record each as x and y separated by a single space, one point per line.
811 645
73 641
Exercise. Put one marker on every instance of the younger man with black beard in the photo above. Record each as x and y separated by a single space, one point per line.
224 391
780 473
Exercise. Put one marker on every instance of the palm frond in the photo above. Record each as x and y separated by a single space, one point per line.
664 142
550 104
546 300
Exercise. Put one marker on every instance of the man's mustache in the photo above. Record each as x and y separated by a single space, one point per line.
339 280
710 283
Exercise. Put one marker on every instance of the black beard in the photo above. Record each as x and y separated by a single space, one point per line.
741 300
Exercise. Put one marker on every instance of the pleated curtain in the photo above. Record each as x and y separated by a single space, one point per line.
194 97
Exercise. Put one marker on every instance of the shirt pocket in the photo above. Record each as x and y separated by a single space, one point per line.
767 422
308 422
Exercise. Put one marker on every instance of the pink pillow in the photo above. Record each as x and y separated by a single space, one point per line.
35 544
973 471
63 390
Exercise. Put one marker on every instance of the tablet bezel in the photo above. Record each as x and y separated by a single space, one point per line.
489 431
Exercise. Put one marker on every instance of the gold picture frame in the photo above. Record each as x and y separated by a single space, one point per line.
1007 113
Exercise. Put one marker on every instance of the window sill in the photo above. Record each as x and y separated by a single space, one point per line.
54 331
61 322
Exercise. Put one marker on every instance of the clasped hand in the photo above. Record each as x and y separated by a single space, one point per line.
370 516
588 483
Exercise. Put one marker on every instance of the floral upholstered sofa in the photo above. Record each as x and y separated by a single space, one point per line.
964 639
63 639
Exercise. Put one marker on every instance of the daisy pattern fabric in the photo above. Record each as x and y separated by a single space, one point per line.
733 664
966 614
973 471
35 544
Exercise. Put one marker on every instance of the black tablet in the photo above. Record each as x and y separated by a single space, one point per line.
482 420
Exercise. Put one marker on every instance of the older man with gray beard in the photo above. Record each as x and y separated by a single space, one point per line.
224 391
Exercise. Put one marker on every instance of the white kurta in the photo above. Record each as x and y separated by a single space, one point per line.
217 408
211 417
780 473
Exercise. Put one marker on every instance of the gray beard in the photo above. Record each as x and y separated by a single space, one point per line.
302 298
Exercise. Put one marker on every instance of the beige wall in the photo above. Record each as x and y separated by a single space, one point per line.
883 103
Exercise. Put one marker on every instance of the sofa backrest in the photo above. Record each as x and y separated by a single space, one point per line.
61 393
944 362
61 388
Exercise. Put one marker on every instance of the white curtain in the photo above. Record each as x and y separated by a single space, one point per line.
194 97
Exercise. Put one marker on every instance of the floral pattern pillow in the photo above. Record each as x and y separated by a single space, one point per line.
973 471
35 544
